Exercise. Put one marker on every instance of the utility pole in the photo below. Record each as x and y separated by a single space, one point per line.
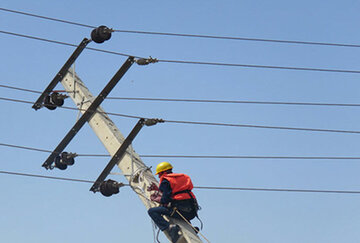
134 170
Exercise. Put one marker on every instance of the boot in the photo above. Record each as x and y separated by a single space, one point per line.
173 232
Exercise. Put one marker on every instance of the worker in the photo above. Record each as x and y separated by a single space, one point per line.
175 196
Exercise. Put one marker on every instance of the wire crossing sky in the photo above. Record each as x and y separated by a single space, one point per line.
197 187
198 156
209 123
193 62
183 35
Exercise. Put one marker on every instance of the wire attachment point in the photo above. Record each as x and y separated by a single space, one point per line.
146 61
153 121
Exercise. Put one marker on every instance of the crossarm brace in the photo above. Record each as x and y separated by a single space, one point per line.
38 104
89 112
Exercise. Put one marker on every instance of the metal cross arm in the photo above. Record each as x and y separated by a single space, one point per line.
38 104
122 150
89 112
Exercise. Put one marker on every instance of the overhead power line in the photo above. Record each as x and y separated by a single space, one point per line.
231 101
206 100
209 123
64 43
45 177
21 89
199 156
196 62
186 35
197 187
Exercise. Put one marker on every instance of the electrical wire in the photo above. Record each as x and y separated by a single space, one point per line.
210 123
45 177
21 89
275 190
197 62
206 100
186 35
231 101
197 187
200 156
64 43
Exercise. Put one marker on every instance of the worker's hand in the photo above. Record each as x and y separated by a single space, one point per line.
156 197
152 187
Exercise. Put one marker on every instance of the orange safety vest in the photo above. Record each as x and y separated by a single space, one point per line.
181 186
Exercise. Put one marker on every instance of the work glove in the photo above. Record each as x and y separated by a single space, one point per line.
152 187
156 197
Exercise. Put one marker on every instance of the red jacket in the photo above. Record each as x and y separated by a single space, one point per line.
180 184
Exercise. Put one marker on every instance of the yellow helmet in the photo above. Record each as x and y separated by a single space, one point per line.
163 166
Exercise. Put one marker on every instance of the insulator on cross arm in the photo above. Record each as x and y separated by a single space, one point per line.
101 34
110 187
64 160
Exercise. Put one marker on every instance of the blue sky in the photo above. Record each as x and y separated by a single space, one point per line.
41 210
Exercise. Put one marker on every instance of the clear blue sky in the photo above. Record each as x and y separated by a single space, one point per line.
40 210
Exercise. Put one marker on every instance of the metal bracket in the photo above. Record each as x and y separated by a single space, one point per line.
121 151
38 104
89 112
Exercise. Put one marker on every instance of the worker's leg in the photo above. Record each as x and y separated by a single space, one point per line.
157 216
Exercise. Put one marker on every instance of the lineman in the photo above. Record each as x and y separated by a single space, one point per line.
173 193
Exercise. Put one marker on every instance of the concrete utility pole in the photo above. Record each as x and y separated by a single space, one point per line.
133 169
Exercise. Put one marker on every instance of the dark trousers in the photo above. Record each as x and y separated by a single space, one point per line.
157 216
185 207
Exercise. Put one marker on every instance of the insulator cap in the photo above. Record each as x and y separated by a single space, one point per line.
59 164
109 188
101 34
57 99
67 158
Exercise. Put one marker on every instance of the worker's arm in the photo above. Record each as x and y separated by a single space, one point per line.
166 191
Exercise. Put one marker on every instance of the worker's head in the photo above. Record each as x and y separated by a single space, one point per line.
162 168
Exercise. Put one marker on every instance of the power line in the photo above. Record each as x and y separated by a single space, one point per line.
199 156
210 123
63 43
47 18
231 101
207 100
186 35
262 66
197 187
45 177
196 62
24 147
263 127
277 190
21 89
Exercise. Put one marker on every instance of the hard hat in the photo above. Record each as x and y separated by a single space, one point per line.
163 166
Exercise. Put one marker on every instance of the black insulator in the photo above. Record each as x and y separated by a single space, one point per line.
59 164
48 104
57 99
109 188
67 159
101 34
142 61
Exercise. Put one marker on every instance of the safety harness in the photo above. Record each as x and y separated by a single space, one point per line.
176 205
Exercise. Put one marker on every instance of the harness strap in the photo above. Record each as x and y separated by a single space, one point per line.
184 191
